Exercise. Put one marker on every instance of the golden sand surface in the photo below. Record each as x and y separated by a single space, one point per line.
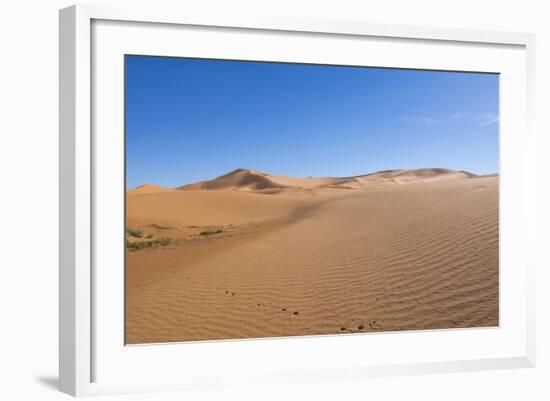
250 255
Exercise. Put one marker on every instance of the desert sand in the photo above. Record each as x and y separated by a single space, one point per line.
251 254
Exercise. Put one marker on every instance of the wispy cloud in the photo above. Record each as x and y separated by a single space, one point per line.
484 119
479 119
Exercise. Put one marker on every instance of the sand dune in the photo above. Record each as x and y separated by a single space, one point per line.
416 175
241 179
148 189
257 181
401 177
394 250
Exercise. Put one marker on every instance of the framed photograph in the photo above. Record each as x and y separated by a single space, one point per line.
273 200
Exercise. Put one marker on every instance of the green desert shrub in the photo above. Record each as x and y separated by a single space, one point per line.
163 241
160 227
139 245
211 232
134 233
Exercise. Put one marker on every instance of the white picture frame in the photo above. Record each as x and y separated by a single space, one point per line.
81 343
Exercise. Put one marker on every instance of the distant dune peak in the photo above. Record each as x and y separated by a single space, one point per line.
431 171
409 176
148 189
243 179
239 179
239 171
147 186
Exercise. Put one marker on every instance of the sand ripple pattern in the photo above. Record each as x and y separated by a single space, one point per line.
418 256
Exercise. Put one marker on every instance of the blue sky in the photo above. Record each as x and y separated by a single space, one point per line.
189 120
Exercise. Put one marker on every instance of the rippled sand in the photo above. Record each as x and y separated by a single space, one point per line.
383 253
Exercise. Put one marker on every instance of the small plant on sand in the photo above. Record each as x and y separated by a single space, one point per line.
211 232
134 233
163 241
152 243
160 227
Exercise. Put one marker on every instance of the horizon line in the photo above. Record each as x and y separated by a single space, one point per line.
239 169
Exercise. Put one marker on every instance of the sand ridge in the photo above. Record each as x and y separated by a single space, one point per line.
252 180
147 189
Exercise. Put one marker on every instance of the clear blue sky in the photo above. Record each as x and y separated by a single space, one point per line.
189 120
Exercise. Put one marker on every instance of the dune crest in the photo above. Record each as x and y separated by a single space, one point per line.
257 181
148 189
404 176
241 179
